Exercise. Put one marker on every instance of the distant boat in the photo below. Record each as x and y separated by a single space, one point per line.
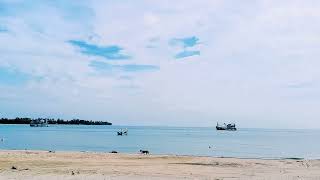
39 123
228 127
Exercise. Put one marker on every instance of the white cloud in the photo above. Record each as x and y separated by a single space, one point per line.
252 53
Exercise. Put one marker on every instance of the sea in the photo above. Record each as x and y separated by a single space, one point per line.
196 141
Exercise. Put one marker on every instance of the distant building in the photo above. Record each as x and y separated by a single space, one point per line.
39 123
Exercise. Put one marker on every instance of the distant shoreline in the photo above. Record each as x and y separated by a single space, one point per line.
58 121
30 164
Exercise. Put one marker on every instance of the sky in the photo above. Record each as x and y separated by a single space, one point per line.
166 63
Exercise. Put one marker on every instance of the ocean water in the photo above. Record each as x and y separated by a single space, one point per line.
244 143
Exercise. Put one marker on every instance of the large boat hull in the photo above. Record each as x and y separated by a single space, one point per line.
226 129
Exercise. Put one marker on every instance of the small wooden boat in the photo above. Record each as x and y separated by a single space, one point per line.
122 132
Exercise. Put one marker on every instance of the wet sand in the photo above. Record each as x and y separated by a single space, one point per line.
90 165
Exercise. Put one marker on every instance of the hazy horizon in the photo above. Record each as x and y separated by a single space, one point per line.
180 63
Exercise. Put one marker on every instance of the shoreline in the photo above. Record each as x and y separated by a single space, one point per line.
159 154
40 164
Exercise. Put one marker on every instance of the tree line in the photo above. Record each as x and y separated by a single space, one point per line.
53 121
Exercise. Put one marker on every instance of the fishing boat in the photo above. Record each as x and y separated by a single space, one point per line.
227 127
39 123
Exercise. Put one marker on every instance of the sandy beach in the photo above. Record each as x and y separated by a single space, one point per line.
90 165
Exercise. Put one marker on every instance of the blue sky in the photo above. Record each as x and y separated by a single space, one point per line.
3 29
185 43
162 62
106 67
107 52
12 78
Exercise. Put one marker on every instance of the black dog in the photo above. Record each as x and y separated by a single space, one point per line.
144 151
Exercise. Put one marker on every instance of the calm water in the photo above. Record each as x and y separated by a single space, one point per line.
256 143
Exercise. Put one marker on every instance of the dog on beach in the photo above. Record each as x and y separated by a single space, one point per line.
144 151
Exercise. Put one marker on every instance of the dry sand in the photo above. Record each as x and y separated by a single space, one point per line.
88 165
